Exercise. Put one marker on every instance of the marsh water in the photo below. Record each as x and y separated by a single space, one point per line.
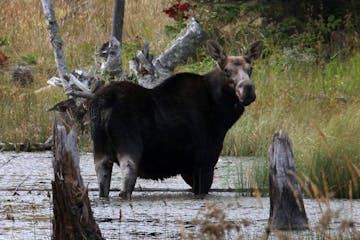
158 209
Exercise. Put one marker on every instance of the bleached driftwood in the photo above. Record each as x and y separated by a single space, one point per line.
113 63
287 210
73 217
151 72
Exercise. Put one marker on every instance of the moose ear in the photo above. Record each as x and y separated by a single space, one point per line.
217 53
254 51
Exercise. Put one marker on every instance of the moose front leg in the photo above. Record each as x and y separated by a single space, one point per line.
202 180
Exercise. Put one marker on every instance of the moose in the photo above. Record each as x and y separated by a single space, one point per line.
178 127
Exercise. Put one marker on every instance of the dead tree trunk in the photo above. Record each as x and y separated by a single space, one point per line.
151 72
73 218
113 48
287 210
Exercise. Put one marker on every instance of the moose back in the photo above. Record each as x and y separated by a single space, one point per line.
175 128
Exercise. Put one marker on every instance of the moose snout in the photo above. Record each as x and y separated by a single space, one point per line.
246 92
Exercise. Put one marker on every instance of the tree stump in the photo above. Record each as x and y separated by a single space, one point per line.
21 74
73 218
287 210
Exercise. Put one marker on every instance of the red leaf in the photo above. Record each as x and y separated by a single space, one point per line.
3 58
184 7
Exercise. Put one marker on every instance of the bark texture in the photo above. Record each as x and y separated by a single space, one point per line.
73 218
287 210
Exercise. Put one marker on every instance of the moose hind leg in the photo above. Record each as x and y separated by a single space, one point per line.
128 168
103 167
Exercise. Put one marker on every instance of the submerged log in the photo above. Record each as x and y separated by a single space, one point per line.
287 210
73 217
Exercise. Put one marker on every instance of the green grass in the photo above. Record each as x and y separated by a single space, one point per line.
24 114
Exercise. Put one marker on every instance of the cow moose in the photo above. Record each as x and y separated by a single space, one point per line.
178 127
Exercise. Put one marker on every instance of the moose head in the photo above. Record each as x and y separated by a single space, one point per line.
237 69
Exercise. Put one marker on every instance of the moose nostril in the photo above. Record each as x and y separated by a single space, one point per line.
247 94
249 89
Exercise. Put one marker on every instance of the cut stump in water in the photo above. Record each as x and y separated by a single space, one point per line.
287 210
73 217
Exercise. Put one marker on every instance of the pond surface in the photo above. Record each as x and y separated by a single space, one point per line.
158 210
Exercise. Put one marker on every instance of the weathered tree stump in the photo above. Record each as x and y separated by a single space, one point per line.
21 74
287 210
73 218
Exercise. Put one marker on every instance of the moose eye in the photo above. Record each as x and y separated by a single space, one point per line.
237 63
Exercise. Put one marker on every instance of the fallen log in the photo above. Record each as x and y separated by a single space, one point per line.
25 147
287 210
73 217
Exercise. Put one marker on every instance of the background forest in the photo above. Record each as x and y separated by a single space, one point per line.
308 80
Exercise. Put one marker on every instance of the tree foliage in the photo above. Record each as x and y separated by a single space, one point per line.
307 24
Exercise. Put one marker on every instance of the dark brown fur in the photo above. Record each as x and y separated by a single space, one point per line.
176 128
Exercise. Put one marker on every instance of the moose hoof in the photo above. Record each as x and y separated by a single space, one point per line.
125 195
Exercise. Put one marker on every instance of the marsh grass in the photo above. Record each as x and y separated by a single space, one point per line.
24 116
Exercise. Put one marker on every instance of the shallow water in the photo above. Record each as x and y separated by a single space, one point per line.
158 210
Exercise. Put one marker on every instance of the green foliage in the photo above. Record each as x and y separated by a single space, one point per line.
129 51
4 41
326 29
225 12
30 59
172 30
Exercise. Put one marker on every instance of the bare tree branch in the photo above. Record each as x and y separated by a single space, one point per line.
151 72
56 43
